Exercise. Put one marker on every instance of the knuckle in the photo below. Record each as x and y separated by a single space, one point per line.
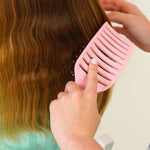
69 83
60 94
53 105
76 94
114 13
90 95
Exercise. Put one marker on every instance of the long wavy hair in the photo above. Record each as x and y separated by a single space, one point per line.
39 39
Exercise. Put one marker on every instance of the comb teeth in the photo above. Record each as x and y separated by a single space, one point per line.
112 52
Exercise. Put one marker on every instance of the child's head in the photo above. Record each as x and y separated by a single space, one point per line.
39 39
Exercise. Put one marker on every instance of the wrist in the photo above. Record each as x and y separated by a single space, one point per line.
81 143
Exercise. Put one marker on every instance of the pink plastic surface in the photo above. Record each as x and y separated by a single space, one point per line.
112 52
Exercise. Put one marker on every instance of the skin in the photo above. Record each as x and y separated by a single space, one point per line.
136 26
73 115
77 114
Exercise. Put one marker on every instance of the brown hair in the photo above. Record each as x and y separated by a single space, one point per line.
39 39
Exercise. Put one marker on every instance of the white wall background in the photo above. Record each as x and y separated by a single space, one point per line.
127 118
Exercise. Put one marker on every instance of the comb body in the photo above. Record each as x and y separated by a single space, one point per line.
112 52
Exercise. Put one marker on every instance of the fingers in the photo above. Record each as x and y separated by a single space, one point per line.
108 7
121 30
71 86
119 17
52 106
121 6
91 84
60 95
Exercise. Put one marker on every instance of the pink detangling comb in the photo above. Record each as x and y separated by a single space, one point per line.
111 51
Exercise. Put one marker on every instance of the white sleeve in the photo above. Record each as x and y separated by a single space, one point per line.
105 141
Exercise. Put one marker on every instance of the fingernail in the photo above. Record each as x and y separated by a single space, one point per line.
94 61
